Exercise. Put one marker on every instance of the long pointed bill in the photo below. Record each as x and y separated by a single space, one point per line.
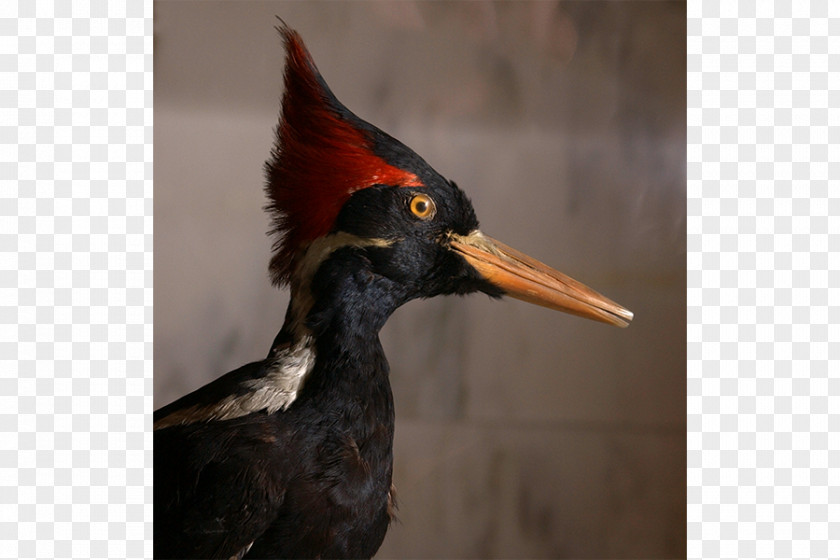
528 279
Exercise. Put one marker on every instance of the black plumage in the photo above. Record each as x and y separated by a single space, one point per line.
313 480
291 456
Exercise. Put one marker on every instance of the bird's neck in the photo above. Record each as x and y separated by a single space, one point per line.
342 308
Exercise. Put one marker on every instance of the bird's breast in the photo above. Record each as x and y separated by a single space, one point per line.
339 502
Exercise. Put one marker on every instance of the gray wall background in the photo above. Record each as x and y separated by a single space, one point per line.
521 432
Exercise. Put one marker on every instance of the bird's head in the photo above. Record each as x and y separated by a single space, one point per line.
337 182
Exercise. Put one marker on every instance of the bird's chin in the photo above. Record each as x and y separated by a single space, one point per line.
473 283
489 289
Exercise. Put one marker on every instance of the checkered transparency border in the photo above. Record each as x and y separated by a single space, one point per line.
75 279
763 310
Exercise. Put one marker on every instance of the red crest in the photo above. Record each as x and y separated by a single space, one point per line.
323 154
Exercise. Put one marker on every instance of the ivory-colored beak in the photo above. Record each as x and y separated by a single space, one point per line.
528 279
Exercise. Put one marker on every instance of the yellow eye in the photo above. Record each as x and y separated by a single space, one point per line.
422 206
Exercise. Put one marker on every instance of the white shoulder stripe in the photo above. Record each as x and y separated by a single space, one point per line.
273 392
241 554
280 387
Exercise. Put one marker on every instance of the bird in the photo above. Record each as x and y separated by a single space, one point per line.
291 456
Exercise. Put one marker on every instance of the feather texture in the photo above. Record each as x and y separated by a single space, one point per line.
323 154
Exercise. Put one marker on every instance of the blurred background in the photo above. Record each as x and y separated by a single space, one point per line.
521 432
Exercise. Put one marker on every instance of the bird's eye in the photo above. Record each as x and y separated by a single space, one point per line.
422 206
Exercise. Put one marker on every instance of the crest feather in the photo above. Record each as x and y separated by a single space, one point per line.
323 153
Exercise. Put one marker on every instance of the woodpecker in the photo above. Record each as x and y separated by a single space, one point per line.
291 456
